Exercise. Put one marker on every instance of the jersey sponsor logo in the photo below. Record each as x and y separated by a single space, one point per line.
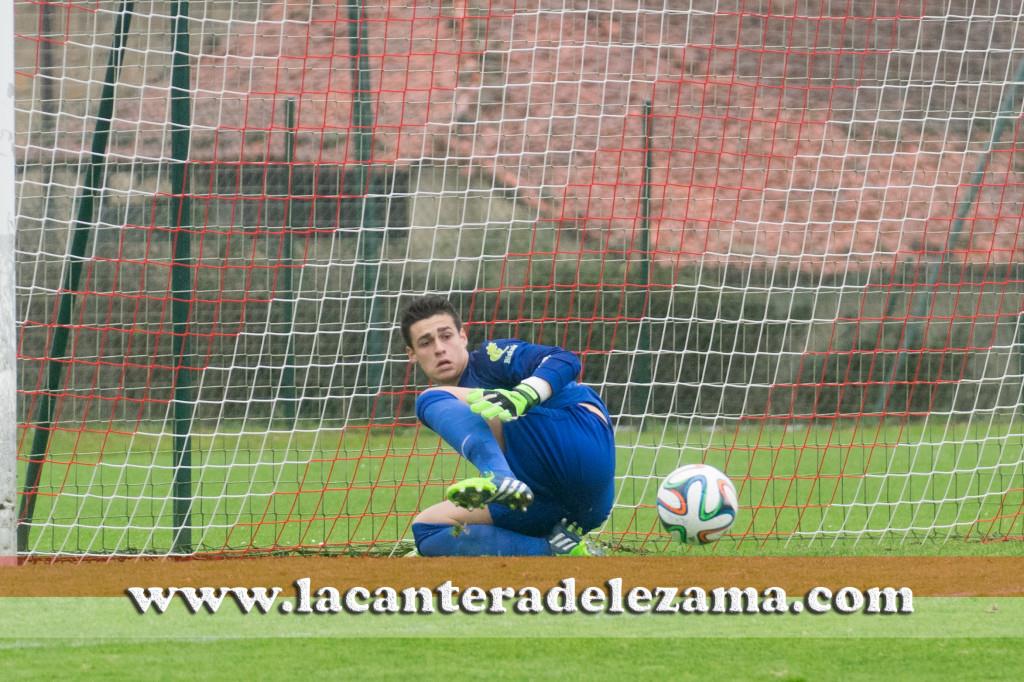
495 353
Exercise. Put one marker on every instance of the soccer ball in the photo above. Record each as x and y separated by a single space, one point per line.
698 503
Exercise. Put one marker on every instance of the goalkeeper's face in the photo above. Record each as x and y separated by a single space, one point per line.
440 348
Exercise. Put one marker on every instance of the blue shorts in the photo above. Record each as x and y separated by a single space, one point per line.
567 457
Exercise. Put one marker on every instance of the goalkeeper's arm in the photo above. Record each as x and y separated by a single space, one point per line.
547 369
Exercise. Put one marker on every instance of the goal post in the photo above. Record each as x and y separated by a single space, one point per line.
8 339
784 239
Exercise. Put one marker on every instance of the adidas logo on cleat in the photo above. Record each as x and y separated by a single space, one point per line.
569 539
512 493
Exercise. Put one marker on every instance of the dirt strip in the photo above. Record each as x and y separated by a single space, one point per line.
927 576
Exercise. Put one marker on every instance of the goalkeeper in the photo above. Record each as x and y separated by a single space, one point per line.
542 442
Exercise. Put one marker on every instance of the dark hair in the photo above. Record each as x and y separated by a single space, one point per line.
422 307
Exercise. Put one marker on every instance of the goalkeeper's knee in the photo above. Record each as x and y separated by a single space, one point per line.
421 532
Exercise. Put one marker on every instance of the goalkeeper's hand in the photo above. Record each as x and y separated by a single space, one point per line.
503 403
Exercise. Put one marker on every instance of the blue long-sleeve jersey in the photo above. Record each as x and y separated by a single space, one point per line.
504 363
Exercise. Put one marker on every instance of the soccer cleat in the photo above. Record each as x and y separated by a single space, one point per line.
569 539
473 493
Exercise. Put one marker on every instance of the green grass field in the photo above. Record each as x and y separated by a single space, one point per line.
317 486
819 489
60 638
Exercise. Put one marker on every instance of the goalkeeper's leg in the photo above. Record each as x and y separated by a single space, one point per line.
445 411
447 530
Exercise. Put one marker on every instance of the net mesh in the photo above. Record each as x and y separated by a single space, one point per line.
783 236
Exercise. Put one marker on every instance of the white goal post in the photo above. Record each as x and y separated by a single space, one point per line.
8 339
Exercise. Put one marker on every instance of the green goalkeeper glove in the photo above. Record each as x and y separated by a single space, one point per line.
502 403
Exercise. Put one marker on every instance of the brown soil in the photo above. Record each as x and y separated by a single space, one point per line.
927 576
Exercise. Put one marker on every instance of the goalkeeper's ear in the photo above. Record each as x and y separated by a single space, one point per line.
542 387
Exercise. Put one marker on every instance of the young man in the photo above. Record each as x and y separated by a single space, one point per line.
542 442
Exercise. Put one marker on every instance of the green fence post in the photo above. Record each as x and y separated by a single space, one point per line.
641 378
1018 342
371 222
181 277
287 393
84 220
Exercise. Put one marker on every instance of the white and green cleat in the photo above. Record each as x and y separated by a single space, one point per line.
474 493
569 539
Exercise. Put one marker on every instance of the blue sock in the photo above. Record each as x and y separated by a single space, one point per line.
476 540
467 432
